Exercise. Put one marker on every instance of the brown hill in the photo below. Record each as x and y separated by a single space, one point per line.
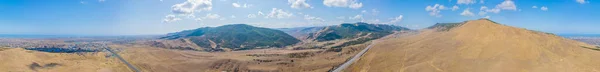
21 60
479 46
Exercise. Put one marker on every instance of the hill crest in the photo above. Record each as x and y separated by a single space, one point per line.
479 46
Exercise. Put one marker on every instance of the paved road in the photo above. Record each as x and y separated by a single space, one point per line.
123 60
353 59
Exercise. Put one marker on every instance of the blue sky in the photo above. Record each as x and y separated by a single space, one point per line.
142 17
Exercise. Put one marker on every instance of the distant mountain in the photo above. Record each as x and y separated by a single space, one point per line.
342 35
354 30
444 26
235 37
479 46
301 32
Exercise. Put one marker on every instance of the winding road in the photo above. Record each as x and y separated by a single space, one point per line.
122 60
353 59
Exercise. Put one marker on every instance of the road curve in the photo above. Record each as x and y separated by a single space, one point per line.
123 60
353 59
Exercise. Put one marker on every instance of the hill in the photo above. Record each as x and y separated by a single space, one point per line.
301 32
354 30
235 37
353 33
22 60
479 46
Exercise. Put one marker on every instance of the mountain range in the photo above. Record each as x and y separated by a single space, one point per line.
244 37
235 37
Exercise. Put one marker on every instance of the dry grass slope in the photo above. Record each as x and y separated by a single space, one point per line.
479 46
21 60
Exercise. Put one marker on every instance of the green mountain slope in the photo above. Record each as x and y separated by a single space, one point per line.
235 37
357 33
355 30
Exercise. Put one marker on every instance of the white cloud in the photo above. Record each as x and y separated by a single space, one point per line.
190 6
354 4
171 18
211 16
396 19
507 5
487 17
483 8
442 7
278 13
101 0
251 16
454 8
435 10
581 1
534 7
544 8
486 9
466 12
355 17
298 4
493 10
312 18
233 16
261 13
198 19
363 11
238 5
465 2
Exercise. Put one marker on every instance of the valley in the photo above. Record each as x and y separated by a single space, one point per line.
205 49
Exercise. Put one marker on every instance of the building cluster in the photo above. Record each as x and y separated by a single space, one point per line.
589 40
52 45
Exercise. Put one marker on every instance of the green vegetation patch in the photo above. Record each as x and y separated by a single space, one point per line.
597 48
444 26
237 37
365 32
355 30
354 42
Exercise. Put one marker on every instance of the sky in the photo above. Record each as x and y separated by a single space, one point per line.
155 17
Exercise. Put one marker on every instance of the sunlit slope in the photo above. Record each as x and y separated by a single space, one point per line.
479 46
21 60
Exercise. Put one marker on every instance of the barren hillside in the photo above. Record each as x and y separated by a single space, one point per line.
479 46
21 60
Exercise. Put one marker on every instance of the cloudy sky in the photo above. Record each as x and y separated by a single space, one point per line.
140 17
